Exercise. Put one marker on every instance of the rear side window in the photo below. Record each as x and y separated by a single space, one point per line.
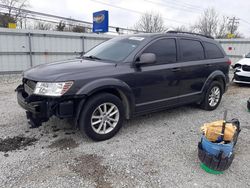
213 51
164 49
192 50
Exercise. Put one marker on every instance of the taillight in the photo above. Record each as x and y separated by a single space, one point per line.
229 62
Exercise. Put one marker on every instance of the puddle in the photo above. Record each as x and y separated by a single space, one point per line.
64 143
90 167
15 143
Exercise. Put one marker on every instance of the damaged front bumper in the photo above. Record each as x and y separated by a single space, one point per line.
241 77
39 108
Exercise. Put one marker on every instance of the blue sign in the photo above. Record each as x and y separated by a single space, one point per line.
101 21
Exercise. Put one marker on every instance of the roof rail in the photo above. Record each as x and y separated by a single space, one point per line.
191 34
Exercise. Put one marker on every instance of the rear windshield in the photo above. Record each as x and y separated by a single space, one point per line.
115 49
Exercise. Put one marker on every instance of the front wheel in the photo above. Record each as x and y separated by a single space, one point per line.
102 116
213 96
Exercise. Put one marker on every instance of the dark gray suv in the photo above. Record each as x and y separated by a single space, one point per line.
125 77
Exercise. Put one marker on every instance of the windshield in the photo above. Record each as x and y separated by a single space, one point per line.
115 49
248 55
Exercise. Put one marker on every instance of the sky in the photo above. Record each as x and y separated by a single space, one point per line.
174 12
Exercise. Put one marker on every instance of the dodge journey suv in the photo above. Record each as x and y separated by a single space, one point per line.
125 77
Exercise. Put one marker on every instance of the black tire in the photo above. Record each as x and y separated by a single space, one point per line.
90 107
218 163
205 103
248 105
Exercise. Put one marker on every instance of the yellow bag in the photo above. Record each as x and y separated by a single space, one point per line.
213 130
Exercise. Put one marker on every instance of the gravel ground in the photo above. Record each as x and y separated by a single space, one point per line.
156 150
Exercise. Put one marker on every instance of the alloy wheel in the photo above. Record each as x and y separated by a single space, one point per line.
105 118
214 96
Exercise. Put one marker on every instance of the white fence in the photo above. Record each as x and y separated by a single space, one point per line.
235 48
22 49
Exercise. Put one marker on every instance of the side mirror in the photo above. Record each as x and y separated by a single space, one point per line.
146 58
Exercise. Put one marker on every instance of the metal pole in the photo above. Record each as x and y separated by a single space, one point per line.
30 50
83 46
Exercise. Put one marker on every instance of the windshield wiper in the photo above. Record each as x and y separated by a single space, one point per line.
92 57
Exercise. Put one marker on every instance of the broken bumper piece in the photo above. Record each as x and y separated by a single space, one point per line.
40 109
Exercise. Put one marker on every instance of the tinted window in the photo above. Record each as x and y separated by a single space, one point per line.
164 49
191 50
213 51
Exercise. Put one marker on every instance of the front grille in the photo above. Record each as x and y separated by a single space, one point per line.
242 78
246 68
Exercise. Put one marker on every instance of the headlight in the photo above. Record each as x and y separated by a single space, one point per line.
52 89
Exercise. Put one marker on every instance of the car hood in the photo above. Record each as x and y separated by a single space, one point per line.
60 71
244 61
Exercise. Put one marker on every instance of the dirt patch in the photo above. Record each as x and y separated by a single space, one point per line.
15 143
90 167
64 143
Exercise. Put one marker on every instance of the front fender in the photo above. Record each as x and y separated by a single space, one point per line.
109 83
105 83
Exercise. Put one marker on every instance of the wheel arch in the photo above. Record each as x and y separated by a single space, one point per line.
215 76
113 86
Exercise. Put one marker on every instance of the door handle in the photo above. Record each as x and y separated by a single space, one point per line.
175 69
208 65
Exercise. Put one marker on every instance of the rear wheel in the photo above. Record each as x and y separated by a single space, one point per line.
213 96
102 116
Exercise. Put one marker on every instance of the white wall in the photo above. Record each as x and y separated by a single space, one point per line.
21 49
235 48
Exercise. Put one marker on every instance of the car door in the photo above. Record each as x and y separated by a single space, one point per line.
157 83
194 70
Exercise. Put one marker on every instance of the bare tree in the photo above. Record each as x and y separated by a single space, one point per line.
207 23
14 10
78 29
150 22
182 28
43 26
223 26
212 24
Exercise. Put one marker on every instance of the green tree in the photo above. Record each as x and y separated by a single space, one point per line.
61 26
